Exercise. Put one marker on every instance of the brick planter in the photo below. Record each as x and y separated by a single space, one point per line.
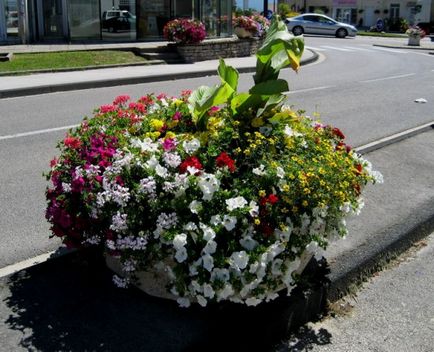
218 48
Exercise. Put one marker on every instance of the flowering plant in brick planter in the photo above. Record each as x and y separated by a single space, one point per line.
245 26
184 31
225 194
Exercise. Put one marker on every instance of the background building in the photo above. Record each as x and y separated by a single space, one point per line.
106 20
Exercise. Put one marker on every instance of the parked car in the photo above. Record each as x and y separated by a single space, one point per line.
313 23
118 20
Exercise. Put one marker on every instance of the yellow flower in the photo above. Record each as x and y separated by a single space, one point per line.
257 122
305 203
294 209
257 221
262 193
178 102
170 134
156 124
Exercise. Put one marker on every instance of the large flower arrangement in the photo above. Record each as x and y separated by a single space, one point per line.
264 24
415 32
184 31
247 23
223 191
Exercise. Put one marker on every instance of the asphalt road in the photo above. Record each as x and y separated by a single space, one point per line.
368 93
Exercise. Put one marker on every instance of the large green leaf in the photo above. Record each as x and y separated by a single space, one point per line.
280 50
270 87
228 74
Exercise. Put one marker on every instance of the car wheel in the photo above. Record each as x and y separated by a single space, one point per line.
297 30
341 33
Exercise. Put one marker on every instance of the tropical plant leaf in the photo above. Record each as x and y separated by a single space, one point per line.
280 50
228 74
270 87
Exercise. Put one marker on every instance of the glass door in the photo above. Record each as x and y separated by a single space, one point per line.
84 19
118 20
52 13
152 16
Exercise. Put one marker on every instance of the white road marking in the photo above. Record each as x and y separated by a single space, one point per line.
335 48
358 49
308 89
32 133
387 78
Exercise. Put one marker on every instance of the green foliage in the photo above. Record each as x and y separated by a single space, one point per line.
280 50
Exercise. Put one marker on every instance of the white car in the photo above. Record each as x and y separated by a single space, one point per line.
313 23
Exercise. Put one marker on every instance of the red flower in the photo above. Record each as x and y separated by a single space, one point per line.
225 160
271 199
121 99
338 133
72 142
191 161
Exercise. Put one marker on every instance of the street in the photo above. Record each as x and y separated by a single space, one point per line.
366 91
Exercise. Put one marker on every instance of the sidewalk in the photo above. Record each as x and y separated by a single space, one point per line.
14 86
70 304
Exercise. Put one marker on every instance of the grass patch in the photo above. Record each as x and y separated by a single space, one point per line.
68 59
383 35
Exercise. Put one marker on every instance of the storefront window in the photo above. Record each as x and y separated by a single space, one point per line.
118 20
153 15
217 16
11 17
84 19
53 19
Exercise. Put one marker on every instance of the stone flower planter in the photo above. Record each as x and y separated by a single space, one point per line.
414 41
242 33
218 48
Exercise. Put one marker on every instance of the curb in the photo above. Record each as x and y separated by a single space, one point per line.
63 87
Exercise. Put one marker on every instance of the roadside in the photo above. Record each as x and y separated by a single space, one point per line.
394 311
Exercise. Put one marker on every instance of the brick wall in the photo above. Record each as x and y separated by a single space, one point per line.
219 48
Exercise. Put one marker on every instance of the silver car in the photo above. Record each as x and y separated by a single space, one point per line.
313 23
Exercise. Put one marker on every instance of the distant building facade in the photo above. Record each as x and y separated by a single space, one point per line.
29 21
367 12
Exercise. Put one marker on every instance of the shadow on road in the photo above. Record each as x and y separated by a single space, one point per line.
70 304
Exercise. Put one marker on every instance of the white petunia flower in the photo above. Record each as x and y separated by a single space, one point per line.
208 262
253 301
152 163
239 260
208 232
183 302
290 132
210 247
66 187
208 291
190 226
181 255
161 171
248 243
253 209
180 241
195 207
280 172
229 222
146 145
235 203
220 274
225 292
260 171
191 146
201 300
208 184
216 220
